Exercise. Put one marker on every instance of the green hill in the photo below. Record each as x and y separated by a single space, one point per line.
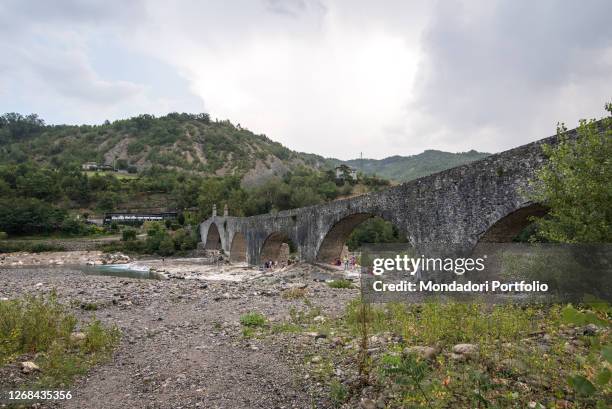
191 143
404 168
187 142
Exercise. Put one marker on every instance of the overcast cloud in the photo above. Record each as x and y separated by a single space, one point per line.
329 77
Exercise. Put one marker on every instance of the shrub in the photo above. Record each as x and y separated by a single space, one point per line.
128 234
575 185
294 293
15 246
3 235
342 283
253 319
153 228
43 326
166 247
185 240
29 216
338 393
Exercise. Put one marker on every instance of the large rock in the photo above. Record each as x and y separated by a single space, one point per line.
78 336
423 352
29 367
466 350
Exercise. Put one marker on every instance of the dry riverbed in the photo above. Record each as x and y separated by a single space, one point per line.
182 344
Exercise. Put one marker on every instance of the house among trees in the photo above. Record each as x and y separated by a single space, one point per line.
344 172
97 167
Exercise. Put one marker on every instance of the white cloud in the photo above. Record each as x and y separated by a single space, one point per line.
324 76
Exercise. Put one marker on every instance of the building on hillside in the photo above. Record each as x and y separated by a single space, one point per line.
138 218
94 166
344 172
89 166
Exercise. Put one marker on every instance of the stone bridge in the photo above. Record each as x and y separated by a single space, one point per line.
483 201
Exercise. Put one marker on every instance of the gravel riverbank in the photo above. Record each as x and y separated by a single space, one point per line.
182 343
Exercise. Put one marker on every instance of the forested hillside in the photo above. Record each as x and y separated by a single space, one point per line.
405 168
188 142
191 143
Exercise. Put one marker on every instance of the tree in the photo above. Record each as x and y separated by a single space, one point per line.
29 216
166 246
576 185
107 201
128 234
374 230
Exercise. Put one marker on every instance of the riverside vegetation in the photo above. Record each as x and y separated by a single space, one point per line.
42 334
457 355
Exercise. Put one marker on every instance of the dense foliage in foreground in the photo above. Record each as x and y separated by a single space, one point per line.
576 184
453 355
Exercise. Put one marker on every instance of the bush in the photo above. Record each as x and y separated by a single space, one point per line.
338 393
253 319
29 216
166 246
340 283
43 326
185 240
72 226
575 185
153 228
128 234
31 247
3 235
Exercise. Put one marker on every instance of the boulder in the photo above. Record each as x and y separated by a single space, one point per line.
423 352
468 350
78 336
29 366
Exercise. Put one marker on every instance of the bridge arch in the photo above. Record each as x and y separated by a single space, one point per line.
238 249
337 236
272 246
213 238
508 227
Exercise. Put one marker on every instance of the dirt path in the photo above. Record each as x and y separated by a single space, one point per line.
182 344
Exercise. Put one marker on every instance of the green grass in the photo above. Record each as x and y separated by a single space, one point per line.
513 355
253 320
338 393
285 327
341 283
41 327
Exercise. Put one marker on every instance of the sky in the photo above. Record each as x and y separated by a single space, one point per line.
332 77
